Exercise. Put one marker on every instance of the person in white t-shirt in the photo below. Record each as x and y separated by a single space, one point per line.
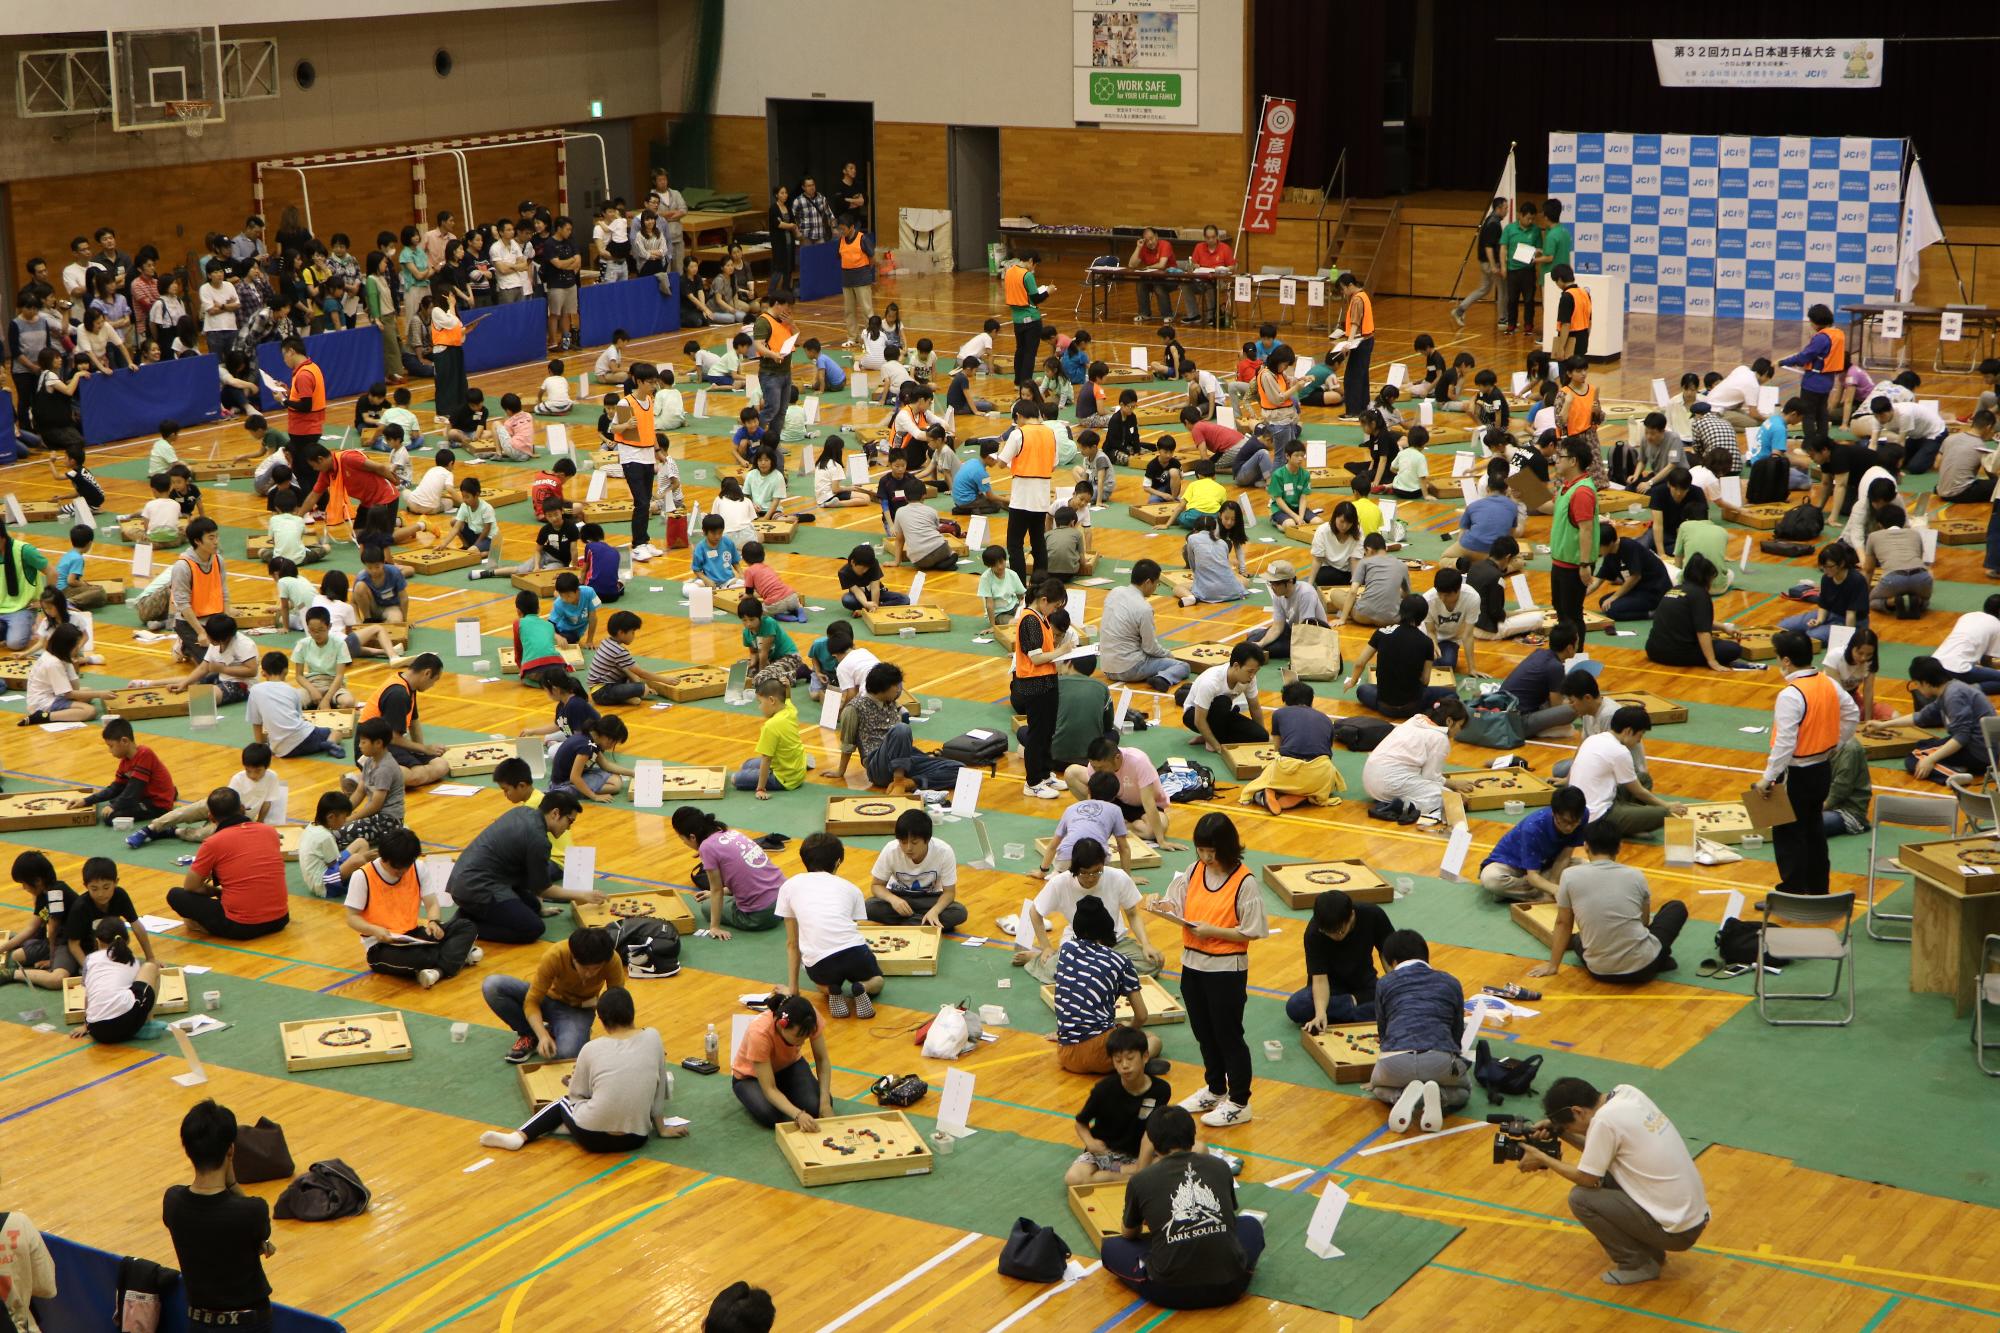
1635 1187
1974 637
257 786
510 261
980 345
227 668
1088 876
552 399
1408 765
1735 394
1604 772
916 877
436 492
819 910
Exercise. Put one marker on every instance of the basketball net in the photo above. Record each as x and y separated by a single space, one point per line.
193 116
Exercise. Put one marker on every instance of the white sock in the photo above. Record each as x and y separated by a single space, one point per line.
1405 1107
510 1139
1433 1119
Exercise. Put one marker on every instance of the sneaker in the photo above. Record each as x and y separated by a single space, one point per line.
864 1005
1202 1101
429 977
137 838
1227 1114
1046 790
474 954
520 1052
1433 1115
837 1006
1457 320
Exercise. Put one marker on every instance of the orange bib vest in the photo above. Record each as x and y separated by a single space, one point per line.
1579 317
1268 400
781 333
1037 457
1214 907
639 434
1360 316
1023 667
1819 729
373 708
851 253
1580 405
1014 286
205 588
1835 360
450 337
393 905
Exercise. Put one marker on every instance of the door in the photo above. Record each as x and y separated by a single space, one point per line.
597 174
816 138
975 193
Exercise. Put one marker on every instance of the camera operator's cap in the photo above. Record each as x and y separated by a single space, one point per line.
1280 571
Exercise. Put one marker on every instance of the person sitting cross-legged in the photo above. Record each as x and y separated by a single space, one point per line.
1527 864
1184 1245
385 906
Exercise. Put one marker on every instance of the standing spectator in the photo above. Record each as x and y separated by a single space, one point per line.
784 238
378 297
772 338
27 1271
1491 263
857 277
813 214
76 276
1524 230
559 261
221 1235
1824 360
247 246
1811 718
510 264
1024 295
669 207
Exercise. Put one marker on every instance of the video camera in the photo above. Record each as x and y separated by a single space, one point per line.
1515 1134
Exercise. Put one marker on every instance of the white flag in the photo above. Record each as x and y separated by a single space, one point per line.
1505 189
1920 229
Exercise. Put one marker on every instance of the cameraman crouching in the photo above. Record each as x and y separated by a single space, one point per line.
1635 1186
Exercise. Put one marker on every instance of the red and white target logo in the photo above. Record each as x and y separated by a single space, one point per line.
1278 120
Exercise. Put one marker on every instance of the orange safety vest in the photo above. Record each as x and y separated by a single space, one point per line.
1023 667
641 427
448 337
1212 906
1037 457
1366 328
781 333
1580 405
1579 317
373 708
308 392
1014 286
1835 360
205 591
1819 729
851 253
1264 398
393 904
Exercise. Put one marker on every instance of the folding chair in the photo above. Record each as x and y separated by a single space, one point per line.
1907 812
1978 803
1806 941
1986 997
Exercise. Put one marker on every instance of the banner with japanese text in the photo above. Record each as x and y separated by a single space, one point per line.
1266 184
1821 62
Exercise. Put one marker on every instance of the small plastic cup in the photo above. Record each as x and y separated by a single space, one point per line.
1404 886
1014 851
907 632
459 1032
943 1143
482 666
1274 1050
211 1000
1514 807
123 823
1753 840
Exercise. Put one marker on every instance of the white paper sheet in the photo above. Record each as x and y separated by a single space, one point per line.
649 784
580 869
1399 374
465 638
1524 253
1518 384
1660 393
965 792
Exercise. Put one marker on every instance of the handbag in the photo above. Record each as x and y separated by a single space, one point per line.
1315 652
677 532
1495 723
899 1090
1504 1078
327 1190
1034 1253
947 1036
261 1152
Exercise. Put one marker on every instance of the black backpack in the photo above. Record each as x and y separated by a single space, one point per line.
1504 1078
1034 1253
1770 481
983 748
1186 780
327 1190
1361 733
1624 461
1801 523
649 946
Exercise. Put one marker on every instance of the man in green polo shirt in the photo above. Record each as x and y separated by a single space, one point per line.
1526 230
1556 245
1083 708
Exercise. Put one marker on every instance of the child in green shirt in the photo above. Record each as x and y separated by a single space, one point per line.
288 532
1289 486
1000 588
773 655
163 455
1409 475
781 754
765 485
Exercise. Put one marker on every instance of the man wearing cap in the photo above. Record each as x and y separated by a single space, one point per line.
1292 603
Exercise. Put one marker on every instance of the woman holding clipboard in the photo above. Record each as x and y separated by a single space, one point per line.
448 352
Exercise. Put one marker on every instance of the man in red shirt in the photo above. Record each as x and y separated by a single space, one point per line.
305 398
1213 436
1212 253
353 480
1153 255
235 890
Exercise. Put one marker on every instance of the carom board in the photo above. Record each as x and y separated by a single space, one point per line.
886 620
115 593
137 704
14 670
545 1083
40 511
339 722
571 654
1158 515
1898 741
1443 677
172 998
1249 759
254 615
1161 1006
289 836
1179 582
688 783
691 683
1663 712
1485 789
1128 374
1971 863
1756 643
1201 656
257 547
1149 417
776 531
1145 856
214 469
542 583
355 1039
1725 822
1538 919
472 758
1304 534
498 489
1100 1208
133 531
866 816
1957 530
1762 517
605 511
1300 883
1346 1051
728 599
438 559
872 1146
661 905
1594 622
903 951
24 810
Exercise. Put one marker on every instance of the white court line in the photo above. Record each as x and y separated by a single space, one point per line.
1422 1138
1284 1180
905 1280
1043 1299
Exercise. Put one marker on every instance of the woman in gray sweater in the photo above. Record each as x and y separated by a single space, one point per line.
617 1092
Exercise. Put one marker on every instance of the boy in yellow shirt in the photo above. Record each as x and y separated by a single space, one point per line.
781 755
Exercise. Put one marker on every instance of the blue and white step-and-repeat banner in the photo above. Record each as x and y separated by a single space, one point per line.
1742 226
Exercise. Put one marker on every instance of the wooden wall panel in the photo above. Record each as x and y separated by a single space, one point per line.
912 170
1177 180
361 200
740 153
170 209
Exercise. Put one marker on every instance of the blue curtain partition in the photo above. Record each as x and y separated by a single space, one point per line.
350 359
126 403
87 1280
634 305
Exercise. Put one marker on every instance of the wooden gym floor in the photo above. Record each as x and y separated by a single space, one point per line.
1852 1172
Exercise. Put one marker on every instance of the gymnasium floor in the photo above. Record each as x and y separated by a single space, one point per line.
1852 1172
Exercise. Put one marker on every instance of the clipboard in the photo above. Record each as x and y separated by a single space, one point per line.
1768 811
1526 487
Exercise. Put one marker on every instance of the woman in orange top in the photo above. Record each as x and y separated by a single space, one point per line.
448 352
1220 910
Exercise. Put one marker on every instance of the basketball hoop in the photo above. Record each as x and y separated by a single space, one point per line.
193 115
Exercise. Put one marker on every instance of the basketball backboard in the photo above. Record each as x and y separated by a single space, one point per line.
156 73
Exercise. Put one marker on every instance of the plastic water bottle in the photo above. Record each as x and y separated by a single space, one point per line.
709 1045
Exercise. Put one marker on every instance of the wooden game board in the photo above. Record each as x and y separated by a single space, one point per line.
571 654
339 722
1725 822
1756 643
1973 864
903 951
254 615
115 592
542 1084
686 783
870 816
605 511
173 995
873 1146
1763 517
472 758
1145 856
39 511
1161 1006
1663 712
153 701
1100 1208
691 683
1443 677
1178 582
1249 759
542 583
1300 883
776 531
1201 656
499 487
1486 789
257 547
1958 530
1157 515
661 904
14 670
1538 919
1898 742
1594 622
356 1039
24 810
289 836
214 469
1346 1051
887 620
422 560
